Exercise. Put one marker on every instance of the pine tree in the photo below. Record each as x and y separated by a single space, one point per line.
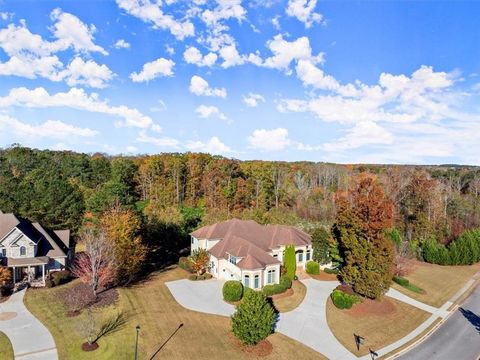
321 244
253 319
290 261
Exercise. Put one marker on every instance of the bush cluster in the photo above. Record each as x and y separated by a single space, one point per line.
313 268
57 278
274 289
232 291
331 271
463 251
342 300
195 277
185 264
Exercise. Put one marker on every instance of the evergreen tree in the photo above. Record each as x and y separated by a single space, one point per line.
321 245
253 319
290 261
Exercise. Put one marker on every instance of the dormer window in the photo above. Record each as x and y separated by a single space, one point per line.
232 259
23 251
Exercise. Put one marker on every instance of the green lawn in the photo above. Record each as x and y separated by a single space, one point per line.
151 306
6 350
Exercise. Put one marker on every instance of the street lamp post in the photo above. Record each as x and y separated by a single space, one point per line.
136 342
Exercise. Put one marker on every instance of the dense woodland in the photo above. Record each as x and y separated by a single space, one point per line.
173 193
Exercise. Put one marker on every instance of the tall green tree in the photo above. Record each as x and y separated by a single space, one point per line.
290 261
321 245
359 228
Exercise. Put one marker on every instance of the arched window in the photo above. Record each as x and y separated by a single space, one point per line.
23 251
256 283
271 276
246 281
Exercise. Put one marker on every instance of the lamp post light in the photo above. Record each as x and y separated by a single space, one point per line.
136 342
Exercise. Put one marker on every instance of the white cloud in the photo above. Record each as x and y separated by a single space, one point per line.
230 56
122 44
6 15
130 149
151 70
225 9
193 56
276 23
252 99
200 87
212 146
206 112
363 133
269 140
160 107
76 99
304 11
170 50
151 12
165 142
50 129
87 73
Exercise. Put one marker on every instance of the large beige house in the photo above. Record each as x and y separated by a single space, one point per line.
30 249
249 252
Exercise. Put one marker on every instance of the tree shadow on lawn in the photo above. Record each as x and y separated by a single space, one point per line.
111 325
473 318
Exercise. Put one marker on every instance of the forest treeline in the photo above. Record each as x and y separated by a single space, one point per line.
62 188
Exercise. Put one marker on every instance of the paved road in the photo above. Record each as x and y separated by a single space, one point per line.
30 339
458 338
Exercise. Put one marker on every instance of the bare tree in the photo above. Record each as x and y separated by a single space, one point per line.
96 266
278 177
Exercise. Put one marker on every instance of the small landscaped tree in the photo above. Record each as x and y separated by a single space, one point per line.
96 266
321 244
199 260
290 261
253 319
5 276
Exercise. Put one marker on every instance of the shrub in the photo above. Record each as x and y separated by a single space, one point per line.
207 276
331 271
342 300
401 281
185 264
201 277
286 282
274 289
347 289
290 261
60 277
232 290
49 283
254 318
192 277
313 268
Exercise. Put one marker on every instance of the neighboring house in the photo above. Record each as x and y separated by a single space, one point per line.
31 250
249 252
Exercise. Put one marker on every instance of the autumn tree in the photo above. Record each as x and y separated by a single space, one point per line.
96 266
359 229
122 228
5 277
199 260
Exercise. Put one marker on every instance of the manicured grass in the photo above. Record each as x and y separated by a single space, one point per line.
6 350
380 324
407 285
439 283
151 306
288 303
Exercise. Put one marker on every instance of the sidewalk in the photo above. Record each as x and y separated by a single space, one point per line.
30 339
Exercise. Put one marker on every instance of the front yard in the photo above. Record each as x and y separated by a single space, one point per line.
439 282
288 302
5 347
379 322
151 306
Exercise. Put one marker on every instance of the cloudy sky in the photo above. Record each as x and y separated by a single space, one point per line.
339 81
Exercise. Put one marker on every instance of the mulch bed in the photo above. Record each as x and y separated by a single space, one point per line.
372 307
89 347
80 296
4 298
263 348
323 276
106 297
285 294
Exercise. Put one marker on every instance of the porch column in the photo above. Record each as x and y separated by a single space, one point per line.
14 275
43 274
28 267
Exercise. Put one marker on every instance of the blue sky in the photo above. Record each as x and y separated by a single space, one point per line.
339 81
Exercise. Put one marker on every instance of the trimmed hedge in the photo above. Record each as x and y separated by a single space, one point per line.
184 263
195 277
331 271
57 278
232 290
274 289
313 268
342 300
401 281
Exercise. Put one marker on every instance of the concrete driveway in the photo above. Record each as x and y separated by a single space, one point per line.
203 296
30 339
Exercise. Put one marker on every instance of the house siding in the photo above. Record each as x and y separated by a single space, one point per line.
13 250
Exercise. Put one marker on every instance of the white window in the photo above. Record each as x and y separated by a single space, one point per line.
300 256
23 251
256 283
308 255
271 276
193 240
233 259
246 281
